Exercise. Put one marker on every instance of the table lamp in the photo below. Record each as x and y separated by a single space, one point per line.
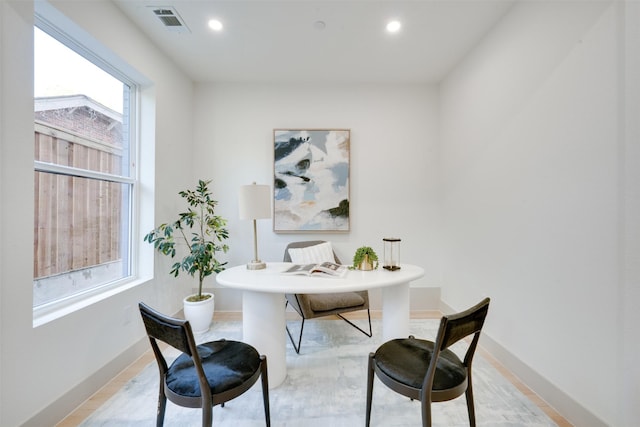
255 203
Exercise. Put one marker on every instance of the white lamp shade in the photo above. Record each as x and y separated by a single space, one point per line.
255 201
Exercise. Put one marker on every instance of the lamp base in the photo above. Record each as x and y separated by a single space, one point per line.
256 265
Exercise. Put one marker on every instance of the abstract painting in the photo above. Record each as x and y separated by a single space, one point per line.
311 180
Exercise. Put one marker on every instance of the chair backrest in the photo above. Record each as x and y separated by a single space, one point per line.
452 329
178 334
457 326
305 244
175 332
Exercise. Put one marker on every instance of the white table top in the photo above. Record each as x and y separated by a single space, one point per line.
271 280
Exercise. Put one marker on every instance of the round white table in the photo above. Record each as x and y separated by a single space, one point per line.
263 303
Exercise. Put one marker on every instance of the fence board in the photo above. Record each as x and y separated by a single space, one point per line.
77 219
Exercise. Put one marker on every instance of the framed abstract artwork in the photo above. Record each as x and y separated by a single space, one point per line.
311 180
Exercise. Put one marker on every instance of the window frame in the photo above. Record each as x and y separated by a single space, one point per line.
51 310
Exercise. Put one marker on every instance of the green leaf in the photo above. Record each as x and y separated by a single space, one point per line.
204 241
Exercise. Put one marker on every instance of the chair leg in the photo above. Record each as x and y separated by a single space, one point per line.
369 334
207 415
296 348
470 407
162 406
370 378
265 390
426 411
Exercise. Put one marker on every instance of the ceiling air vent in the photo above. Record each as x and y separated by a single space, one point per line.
170 19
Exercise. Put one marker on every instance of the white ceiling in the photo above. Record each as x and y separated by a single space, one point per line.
277 41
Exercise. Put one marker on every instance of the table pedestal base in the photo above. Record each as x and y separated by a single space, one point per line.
264 323
263 326
395 312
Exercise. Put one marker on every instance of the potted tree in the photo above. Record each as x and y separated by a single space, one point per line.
365 258
203 233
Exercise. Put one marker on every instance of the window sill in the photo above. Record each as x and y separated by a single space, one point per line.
51 312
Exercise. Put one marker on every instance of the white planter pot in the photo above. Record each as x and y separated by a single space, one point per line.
199 314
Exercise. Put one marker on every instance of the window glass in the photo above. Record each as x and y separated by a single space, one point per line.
83 175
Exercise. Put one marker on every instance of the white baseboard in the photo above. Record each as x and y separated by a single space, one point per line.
68 402
564 404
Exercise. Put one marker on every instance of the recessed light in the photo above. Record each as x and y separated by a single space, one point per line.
215 25
393 26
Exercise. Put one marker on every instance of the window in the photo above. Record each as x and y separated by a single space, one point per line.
84 174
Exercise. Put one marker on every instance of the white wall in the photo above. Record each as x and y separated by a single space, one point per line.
47 370
393 162
537 190
629 296
531 158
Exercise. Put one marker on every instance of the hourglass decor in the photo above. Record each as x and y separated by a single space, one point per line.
391 253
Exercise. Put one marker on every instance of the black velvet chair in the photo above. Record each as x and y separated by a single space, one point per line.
429 371
310 306
204 375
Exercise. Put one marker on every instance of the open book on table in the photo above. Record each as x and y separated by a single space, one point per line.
322 269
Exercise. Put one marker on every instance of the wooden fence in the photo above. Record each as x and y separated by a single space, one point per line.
77 220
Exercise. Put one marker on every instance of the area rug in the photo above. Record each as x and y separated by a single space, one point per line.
326 386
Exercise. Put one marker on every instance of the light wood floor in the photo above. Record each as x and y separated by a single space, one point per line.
95 401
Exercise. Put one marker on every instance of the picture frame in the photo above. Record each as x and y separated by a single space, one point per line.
311 180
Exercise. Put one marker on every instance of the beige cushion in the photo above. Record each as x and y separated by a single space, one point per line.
326 302
312 254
